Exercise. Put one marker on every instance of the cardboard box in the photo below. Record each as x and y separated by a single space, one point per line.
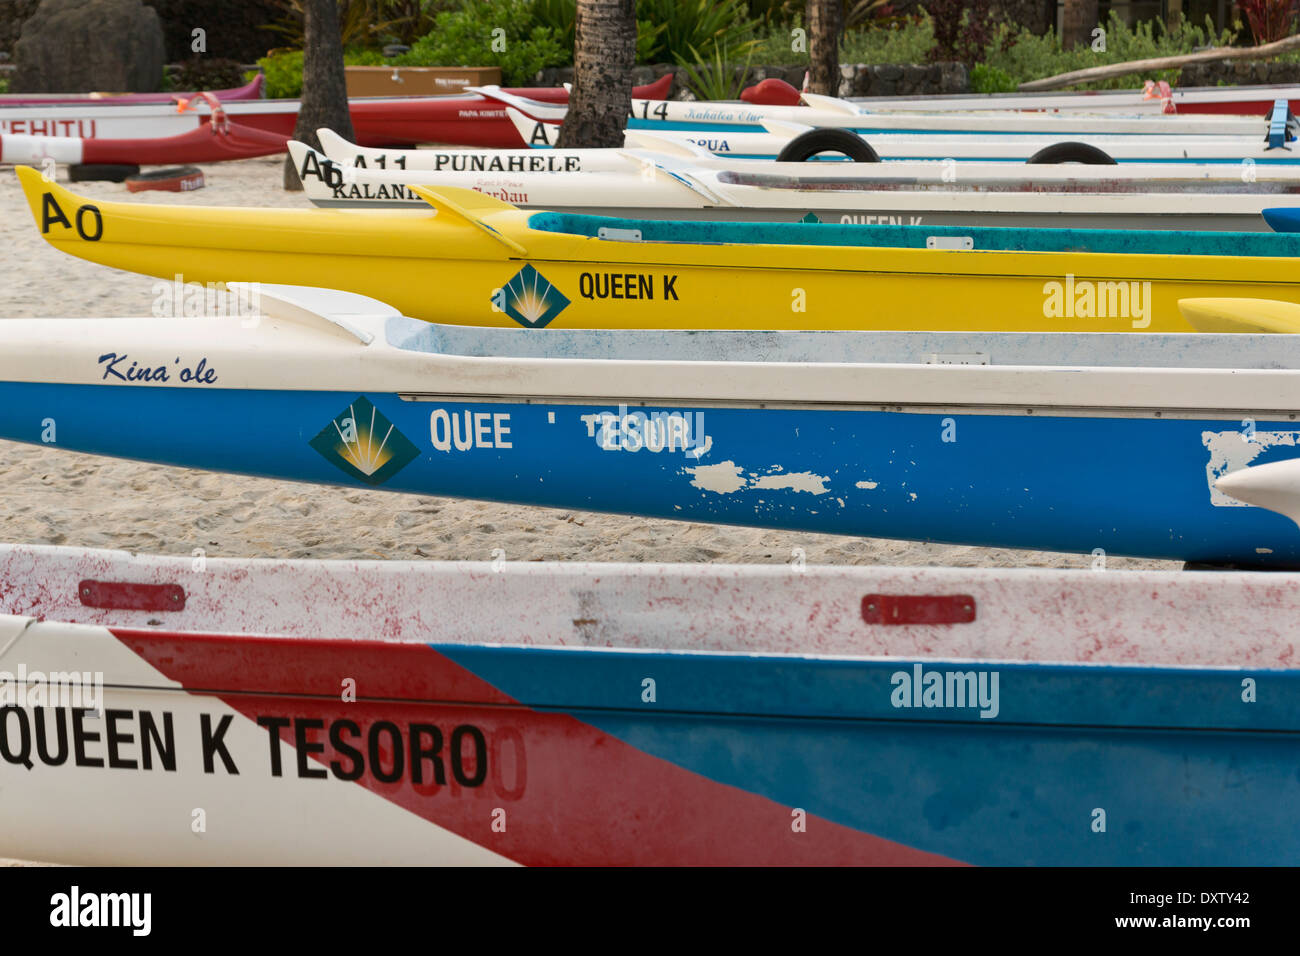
417 80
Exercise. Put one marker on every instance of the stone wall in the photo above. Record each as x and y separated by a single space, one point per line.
1233 72
859 79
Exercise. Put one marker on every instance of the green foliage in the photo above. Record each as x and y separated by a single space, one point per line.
364 57
721 25
561 17
283 69
465 37
907 42
775 46
1022 56
4 84
901 41
283 72
714 79
989 79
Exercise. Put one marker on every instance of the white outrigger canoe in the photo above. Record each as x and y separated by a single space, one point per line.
1193 100
800 133
1055 441
661 179
227 711
831 112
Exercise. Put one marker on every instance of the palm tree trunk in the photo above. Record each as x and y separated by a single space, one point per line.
1079 21
824 28
604 55
324 87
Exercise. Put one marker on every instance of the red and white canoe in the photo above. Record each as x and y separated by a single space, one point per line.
381 121
209 143
251 90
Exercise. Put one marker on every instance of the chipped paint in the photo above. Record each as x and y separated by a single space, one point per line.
1232 451
795 481
868 485
727 477
723 478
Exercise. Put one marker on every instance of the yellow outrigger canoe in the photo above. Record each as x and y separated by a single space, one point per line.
472 259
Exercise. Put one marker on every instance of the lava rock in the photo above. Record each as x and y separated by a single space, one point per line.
79 46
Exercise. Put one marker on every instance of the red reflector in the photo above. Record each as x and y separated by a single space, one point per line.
124 596
918 609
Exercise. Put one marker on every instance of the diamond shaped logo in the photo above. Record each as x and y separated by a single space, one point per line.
532 301
361 442
810 217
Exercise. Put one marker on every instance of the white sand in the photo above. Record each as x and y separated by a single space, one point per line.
60 497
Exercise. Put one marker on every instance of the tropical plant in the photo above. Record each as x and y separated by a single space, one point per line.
361 22
699 25
858 12
1270 20
714 78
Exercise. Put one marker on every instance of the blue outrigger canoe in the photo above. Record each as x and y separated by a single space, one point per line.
1050 441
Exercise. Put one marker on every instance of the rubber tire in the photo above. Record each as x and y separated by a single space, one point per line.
100 172
170 173
827 140
1071 153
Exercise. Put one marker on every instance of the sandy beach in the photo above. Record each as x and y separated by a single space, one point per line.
59 497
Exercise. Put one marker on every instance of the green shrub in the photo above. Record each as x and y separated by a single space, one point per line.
989 79
4 84
1022 56
908 42
465 37
283 72
904 41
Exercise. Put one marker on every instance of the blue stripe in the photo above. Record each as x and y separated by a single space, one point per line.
1186 772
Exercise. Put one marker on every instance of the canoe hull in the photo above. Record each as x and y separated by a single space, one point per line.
380 121
457 751
1017 478
458 268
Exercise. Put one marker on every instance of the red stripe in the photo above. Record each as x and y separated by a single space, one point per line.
577 796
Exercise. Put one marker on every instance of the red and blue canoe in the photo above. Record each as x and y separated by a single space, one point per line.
229 711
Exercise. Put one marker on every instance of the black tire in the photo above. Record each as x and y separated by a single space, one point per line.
827 140
100 172
1071 153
